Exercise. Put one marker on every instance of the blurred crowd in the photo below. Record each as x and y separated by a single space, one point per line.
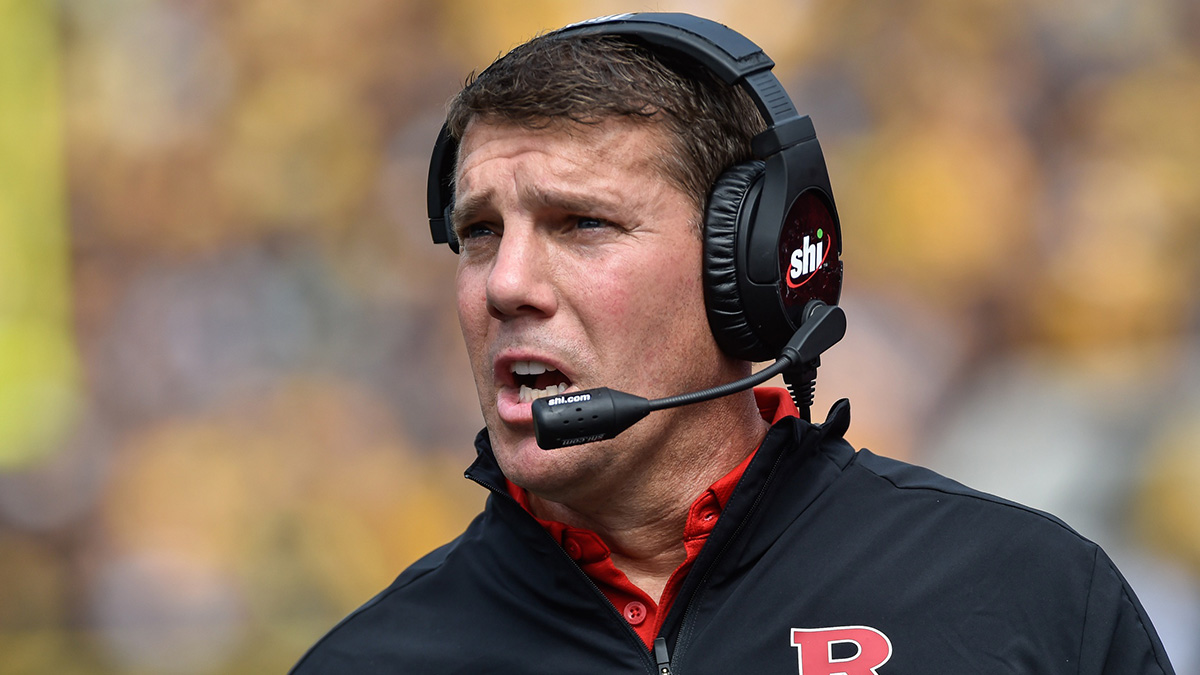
234 401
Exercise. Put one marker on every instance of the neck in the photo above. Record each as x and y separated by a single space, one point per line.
641 515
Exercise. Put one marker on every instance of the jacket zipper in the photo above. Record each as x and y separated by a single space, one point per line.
662 665
661 657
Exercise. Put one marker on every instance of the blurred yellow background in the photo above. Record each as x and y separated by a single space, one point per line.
233 398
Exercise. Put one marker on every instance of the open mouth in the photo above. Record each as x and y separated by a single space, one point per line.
535 380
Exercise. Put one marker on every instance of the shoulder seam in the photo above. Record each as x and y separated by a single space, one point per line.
969 493
1129 597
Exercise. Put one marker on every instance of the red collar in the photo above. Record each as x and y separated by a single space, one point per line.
593 555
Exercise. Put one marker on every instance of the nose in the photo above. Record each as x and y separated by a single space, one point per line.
520 281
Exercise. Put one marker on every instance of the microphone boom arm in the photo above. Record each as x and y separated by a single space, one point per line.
599 414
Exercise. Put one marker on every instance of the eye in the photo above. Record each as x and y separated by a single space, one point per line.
589 223
475 231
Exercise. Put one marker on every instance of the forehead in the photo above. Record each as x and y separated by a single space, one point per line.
614 145
611 172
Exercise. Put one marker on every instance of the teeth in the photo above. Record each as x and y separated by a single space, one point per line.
529 394
530 367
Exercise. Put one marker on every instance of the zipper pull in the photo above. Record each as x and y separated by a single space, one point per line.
661 656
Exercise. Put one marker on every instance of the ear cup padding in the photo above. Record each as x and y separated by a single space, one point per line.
729 208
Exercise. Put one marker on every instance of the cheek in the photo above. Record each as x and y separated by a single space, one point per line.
660 302
472 308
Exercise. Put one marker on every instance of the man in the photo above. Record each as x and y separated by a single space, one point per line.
727 536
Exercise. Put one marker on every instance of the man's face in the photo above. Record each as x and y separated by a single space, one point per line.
580 268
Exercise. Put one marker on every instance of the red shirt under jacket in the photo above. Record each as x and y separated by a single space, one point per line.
593 555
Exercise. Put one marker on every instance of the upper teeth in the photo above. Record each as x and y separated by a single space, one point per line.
530 367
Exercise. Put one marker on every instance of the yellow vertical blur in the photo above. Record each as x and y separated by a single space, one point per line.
39 371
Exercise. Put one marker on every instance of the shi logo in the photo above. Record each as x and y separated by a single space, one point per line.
844 650
806 260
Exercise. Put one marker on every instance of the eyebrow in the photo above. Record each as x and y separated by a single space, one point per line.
467 210
534 196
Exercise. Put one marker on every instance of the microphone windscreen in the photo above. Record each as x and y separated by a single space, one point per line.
585 416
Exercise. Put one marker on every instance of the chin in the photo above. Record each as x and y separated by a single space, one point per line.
519 457
550 474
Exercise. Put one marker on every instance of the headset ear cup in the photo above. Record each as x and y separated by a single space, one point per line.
729 208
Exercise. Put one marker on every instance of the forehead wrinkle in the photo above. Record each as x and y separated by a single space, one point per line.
538 196
558 188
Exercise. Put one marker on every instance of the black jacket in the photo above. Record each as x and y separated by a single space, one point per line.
825 560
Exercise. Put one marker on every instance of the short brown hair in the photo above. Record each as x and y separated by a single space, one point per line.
588 79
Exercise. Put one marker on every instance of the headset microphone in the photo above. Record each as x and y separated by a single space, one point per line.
599 414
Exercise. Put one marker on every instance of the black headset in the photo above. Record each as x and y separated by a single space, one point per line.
772 239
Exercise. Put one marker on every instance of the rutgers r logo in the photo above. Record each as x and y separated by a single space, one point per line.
845 650
806 260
